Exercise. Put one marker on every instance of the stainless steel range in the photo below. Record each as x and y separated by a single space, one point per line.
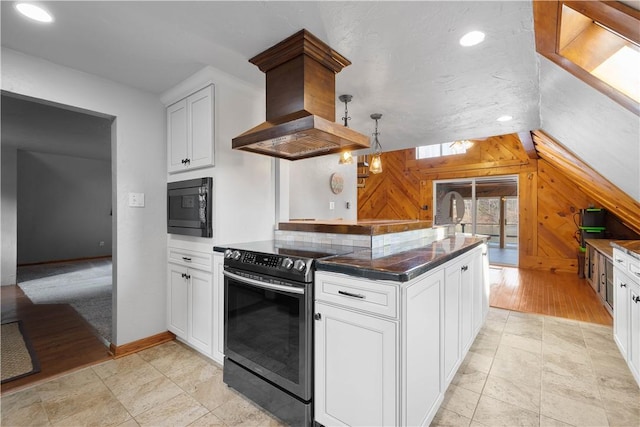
269 326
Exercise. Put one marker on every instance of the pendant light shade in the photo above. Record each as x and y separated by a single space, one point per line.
376 161
346 158
376 164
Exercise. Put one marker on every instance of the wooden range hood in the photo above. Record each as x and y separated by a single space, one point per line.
300 81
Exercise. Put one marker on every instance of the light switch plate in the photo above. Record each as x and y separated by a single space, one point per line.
136 200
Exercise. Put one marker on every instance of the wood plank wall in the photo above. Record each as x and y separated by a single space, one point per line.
548 200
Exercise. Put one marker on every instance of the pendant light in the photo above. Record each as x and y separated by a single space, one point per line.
376 161
345 157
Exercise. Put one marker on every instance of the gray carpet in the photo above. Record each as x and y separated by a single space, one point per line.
85 285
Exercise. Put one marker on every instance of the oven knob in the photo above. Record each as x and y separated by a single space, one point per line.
287 263
227 253
299 265
236 255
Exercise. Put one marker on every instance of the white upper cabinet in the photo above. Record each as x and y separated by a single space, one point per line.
190 131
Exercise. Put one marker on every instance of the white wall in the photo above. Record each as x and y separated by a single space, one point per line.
244 203
310 192
64 206
594 127
138 165
8 250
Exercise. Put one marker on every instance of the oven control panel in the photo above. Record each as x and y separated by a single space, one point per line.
268 263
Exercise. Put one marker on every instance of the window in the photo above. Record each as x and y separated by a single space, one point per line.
445 149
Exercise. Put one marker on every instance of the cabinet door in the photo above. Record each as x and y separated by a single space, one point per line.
200 128
420 357
218 308
177 136
467 285
621 311
177 291
587 262
355 368
634 331
486 283
478 289
200 319
595 273
451 323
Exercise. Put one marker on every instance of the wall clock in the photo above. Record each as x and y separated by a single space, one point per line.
337 183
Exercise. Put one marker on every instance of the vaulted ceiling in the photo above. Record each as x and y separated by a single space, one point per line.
407 62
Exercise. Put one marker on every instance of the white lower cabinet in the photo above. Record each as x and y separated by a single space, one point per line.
451 320
621 311
189 299
626 309
634 331
380 345
218 307
355 357
422 389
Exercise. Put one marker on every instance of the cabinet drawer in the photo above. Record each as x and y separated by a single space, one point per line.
634 269
619 259
376 298
186 257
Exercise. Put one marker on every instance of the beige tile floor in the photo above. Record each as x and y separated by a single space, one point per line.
522 370
532 370
168 385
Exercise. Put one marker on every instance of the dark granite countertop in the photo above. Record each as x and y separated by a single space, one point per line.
630 247
402 262
372 227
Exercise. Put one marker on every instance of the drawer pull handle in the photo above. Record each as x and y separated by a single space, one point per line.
623 285
349 294
635 299
465 268
186 258
317 316
619 260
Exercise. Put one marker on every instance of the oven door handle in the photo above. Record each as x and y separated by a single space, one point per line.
260 284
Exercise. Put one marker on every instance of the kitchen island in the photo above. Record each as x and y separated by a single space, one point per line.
391 323
392 326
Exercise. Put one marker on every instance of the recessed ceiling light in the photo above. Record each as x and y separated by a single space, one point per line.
472 38
34 12
504 118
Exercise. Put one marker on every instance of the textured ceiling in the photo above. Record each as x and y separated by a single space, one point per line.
407 63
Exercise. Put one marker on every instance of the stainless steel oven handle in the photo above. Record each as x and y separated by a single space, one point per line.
260 284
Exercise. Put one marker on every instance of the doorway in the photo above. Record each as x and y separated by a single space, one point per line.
57 227
487 206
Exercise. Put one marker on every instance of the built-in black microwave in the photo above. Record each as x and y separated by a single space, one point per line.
189 207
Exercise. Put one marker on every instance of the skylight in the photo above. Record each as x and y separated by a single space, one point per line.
602 52
622 71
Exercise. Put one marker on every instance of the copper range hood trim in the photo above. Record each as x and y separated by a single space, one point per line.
300 106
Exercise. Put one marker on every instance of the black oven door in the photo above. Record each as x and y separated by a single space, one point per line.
268 329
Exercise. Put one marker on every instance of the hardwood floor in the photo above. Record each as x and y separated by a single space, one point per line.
554 294
62 339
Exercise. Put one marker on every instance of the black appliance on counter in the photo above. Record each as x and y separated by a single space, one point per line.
592 225
268 325
190 207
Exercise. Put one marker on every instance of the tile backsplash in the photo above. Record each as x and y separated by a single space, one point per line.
364 241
